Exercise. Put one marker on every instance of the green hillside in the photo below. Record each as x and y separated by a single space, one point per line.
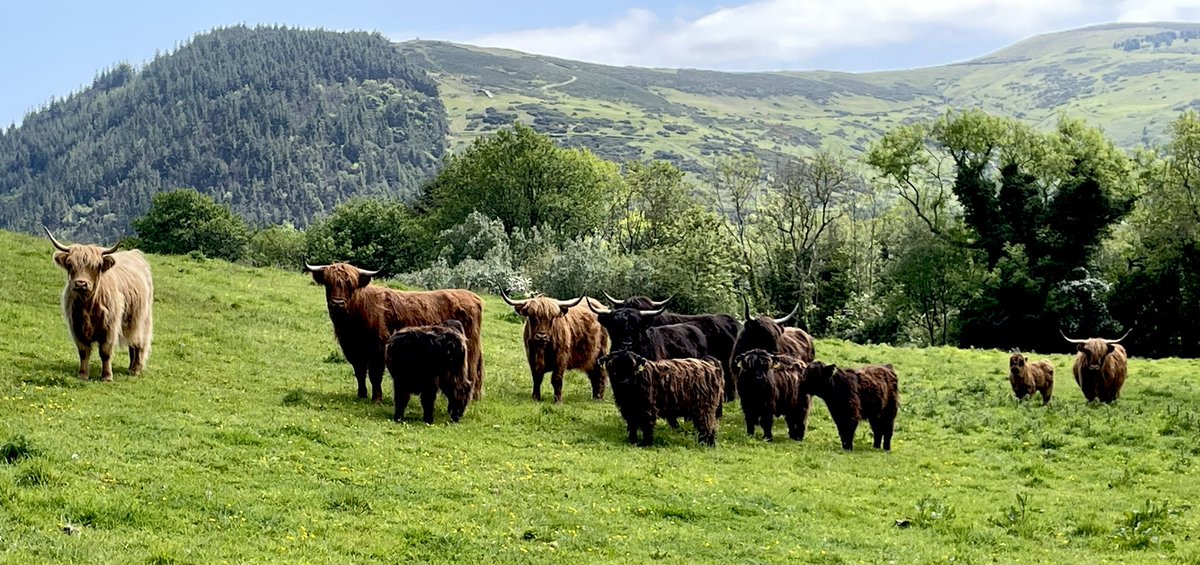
282 124
691 116
242 443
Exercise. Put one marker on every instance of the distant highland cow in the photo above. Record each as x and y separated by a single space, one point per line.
1028 377
870 393
769 334
1101 366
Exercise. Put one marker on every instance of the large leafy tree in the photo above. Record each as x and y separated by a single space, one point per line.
523 179
183 221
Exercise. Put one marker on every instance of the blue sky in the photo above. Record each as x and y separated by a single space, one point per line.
52 48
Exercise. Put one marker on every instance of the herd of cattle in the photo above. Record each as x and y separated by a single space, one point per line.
660 364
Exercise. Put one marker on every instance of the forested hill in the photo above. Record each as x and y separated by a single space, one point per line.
280 123
1132 79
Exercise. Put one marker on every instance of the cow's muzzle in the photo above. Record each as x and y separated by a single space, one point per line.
337 302
541 338
81 286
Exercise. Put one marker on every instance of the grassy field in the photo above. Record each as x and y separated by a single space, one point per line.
243 443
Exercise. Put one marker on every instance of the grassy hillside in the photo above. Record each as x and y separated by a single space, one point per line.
242 443
690 116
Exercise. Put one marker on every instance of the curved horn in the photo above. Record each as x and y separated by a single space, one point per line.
784 319
593 308
1060 332
510 301
57 245
570 303
1118 340
111 250
614 301
661 303
651 312
314 268
366 273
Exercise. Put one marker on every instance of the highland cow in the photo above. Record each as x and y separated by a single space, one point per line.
1101 366
561 335
108 300
425 359
646 390
1028 377
870 393
365 315
770 335
770 386
720 331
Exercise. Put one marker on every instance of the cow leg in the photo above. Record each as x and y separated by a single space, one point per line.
889 426
106 350
596 375
427 400
798 420
360 375
377 384
767 421
537 385
647 435
751 420
877 432
632 428
730 384
402 398
846 429
556 380
85 356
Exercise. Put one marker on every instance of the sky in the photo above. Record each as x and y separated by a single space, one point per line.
51 49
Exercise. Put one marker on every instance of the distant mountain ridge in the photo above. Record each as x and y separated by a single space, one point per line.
282 124
1131 79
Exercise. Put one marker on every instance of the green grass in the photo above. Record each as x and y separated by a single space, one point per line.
242 443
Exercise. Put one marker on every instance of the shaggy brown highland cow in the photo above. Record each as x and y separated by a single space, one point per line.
1028 377
770 386
870 393
769 334
1100 367
675 388
561 335
425 359
365 315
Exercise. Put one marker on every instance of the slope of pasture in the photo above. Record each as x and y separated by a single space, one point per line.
243 443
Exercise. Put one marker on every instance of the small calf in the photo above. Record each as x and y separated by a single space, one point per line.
1028 377
424 359
646 390
870 393
770 386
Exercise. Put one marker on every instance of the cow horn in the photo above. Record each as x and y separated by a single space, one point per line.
314 268
1118 340
570 303
510 301
651 312
366 273
784 319
614 301
1060 332
111 250
57 245
593 308
661 303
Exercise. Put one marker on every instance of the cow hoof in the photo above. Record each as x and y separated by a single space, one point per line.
84 377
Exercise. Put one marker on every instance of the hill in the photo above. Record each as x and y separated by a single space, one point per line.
242 443
1132 79
282 124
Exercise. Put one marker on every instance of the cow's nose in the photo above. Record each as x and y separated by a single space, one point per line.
81 285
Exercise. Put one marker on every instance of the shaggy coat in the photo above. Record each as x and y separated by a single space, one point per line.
630 329
1028 377
1100 369
365 315
108 300
768 334
720 331
646 390
424 359
870 393
770 386
560 337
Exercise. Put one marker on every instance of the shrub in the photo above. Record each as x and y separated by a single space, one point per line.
276 246
183 221
371 234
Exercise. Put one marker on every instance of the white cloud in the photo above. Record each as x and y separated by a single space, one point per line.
1159 10
781 30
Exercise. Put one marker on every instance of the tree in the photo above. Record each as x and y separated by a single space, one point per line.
183 221
277 246
372 234
736 183
523 179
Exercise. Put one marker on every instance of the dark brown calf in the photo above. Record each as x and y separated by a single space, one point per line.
770 386
675 388
870 393
425 359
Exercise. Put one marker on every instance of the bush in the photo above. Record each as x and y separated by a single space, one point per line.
277 246
370 234
182 221
586 265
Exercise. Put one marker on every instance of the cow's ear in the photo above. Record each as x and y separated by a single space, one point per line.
563 309
319 277
640 368
1111 347
1080 347
60 257
107 262
363 281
